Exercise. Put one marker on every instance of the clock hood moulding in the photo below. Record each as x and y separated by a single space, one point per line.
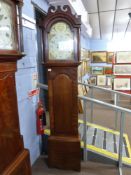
67 14
18 1
11 57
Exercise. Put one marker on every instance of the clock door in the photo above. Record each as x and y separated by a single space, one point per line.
61 42
63 101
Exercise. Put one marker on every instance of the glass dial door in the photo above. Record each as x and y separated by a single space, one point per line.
7 39
61 42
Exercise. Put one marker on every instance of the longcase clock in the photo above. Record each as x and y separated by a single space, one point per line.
14 159
61 37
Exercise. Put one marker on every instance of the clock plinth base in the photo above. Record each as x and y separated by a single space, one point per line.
20 165
64 152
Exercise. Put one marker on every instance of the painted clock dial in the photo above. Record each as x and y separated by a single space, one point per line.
7 39
61 43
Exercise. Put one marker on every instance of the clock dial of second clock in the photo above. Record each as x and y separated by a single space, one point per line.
61 44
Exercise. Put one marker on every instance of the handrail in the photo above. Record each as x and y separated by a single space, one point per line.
105 89
104 103
122 120
43 86
96 87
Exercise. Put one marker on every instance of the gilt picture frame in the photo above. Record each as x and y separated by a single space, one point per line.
99 57
108 70
110 57
101 80
97 70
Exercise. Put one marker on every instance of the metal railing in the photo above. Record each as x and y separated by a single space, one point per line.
43 86
122 120
116 95
112 106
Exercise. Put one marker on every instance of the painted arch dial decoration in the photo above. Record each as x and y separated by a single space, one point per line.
61 42
7 35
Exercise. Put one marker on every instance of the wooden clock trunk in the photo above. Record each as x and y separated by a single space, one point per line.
64 142
14 159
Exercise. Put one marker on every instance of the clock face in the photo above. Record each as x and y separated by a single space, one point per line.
61 44
7 41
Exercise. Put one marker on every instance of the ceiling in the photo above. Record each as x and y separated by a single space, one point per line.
108 19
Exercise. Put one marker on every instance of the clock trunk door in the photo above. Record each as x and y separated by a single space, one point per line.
63 100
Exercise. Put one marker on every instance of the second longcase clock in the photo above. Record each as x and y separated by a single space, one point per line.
61 37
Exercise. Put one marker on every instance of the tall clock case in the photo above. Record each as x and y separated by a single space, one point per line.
61 48
14 158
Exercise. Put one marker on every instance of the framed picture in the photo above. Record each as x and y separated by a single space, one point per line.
109 81
110 57
123 57
108 70
122 84
97 70
122 69
101 80
93 80
99 57
87 54
82 53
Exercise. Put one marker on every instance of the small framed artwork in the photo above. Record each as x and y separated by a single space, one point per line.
82 53
99 57
87 54
110 57
122 69
97 70
122 84
93 80
123 57
101 80
109 81
108 70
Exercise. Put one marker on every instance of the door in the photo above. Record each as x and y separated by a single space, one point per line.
42 77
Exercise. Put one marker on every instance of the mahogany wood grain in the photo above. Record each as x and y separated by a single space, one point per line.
63 100
64 152
11 141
